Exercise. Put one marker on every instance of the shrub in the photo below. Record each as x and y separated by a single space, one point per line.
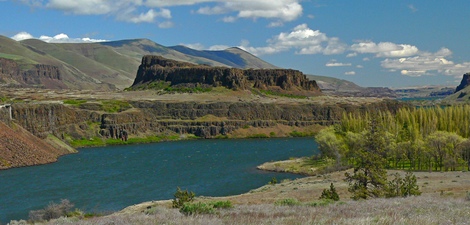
197 208
273 181
182 197
222 204
52 211
330 194
287 202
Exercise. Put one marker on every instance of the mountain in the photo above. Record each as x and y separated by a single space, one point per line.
100 66
339 87
462 92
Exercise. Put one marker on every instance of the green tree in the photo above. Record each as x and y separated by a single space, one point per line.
330 193
329 144
409 185
394 186
442 146
465 152
369 177
181 197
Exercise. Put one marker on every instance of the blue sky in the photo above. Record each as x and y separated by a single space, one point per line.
394 43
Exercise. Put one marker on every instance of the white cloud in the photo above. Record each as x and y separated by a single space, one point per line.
22 36
360 66
425 63
166 24
354 54
140 11
333 63
385 49
350 73
59 38
302 39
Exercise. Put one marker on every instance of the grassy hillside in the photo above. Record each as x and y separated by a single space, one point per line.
335 84
110 65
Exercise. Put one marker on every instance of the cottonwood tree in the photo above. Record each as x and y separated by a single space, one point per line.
442 146
330 145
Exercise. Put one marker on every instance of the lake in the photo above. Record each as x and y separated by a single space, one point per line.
114 177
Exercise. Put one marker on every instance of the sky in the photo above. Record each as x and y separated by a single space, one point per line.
387 43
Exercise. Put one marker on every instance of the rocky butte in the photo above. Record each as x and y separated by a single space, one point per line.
175 73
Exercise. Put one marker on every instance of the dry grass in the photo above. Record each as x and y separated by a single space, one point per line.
413 210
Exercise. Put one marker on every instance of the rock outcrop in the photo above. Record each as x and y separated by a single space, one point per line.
45 76
464 83
157 68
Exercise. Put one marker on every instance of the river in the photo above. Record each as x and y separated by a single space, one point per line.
111 178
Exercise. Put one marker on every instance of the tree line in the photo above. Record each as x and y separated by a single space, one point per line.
419 139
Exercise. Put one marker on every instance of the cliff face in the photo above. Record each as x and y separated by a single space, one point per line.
56 119
46 76
464 83
156 68
152 117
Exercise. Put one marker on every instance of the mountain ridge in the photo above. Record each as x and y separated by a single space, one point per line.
111 65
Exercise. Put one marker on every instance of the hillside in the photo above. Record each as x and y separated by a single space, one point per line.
18 147
339 87
107 65
462 92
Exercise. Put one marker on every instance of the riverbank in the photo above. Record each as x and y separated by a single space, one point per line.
444 200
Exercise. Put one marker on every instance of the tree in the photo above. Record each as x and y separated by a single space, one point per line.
394 186
330 194
465 152
410 186
329 144
442 146
182 197
402 187
369 177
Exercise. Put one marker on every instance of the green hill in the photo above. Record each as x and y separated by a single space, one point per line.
112 65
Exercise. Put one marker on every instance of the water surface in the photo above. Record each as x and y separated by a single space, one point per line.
111 178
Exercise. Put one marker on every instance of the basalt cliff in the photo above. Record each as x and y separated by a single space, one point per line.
40 75
158 69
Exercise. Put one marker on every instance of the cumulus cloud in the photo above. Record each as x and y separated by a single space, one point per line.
303 40
139 11
385 49
425 63
59 38
334 63
22 36
350 73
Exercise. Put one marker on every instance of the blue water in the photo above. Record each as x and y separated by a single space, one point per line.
111 178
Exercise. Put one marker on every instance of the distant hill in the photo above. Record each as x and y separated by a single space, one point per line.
339 87
101 66
462 92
